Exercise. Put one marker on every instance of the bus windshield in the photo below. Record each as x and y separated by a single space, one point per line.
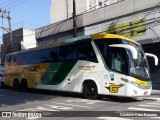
121 59
138 67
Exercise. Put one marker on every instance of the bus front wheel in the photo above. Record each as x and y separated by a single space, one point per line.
90 90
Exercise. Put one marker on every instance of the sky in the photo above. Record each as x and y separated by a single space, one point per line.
27 13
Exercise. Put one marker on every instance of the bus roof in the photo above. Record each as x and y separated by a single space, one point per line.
103 36
81 38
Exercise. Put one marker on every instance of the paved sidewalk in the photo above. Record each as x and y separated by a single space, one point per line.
155 92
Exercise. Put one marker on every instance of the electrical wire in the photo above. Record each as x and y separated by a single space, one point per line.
5 2
98 32
57 25
16 4
11 3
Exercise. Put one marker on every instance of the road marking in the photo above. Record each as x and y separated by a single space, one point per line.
154 104
59 107
32 118
85 101
156 117
113 118
38 108
149 106
71 105
142 109
153 98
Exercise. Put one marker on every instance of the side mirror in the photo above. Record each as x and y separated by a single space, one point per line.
152 55
131 48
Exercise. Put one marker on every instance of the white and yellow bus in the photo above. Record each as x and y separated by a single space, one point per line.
99 64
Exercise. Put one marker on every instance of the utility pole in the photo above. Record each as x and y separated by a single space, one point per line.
74 20
4 14
10 30
7 47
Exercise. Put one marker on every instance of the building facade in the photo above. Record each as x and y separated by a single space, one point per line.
63 9
22 39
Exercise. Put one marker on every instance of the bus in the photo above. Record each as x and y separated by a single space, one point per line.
98 64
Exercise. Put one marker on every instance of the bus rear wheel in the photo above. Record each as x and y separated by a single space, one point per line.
16 85
90 90
24 85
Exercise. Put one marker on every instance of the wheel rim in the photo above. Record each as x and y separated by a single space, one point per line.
90 90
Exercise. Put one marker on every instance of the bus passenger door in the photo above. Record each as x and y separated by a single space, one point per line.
119 69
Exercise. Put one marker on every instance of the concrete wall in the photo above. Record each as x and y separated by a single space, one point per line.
58 37
63 9
124 13
122 8
29 40
58 28
56 7
59 10
57 13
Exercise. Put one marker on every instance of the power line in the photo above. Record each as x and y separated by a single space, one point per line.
61 23
86 30
5 2
30 43
11 3
16 4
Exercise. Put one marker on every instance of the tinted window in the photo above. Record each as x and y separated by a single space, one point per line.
35 57
8 59
15 60
49 55
24 58
84 51
66 53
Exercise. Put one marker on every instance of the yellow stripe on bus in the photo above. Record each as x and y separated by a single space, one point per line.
103 36
142 83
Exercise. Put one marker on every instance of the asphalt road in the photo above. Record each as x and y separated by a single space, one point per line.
58 106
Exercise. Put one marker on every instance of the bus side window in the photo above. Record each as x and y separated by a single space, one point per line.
15 60
8 60
45 55
66 53
24 57
53 55
116 62
49 55
35 57
119 61
84 51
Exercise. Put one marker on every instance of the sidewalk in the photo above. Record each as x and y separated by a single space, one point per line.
155 92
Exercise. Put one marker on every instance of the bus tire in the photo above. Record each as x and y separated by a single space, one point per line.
16 85
90 90
24 85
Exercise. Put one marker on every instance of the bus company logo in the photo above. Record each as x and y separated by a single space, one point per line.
114 88
86 67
